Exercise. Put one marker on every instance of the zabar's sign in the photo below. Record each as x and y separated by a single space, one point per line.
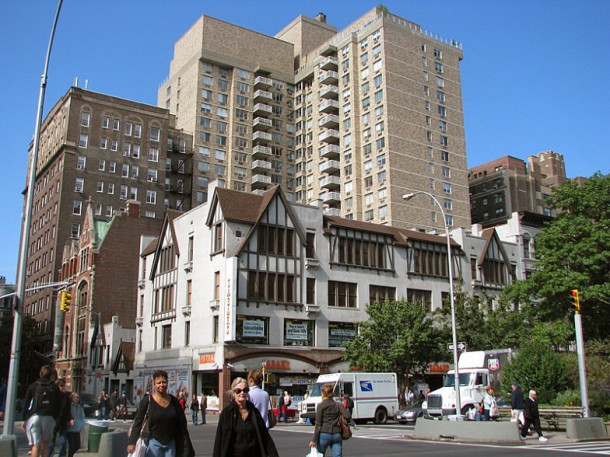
207 358
277 364
438 367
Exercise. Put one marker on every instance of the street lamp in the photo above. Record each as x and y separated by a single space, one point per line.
458 403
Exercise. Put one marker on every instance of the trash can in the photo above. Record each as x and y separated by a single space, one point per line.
96 428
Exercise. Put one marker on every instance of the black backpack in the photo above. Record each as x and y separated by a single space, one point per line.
45 399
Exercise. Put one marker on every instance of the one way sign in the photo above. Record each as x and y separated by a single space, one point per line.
461 346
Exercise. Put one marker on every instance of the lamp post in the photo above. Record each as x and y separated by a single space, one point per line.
458 403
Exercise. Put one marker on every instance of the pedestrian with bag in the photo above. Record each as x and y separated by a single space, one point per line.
204 407
281 408
77 413
160 424
241 430
328 427
348 404
517 404
104 405
194 408
42 403
257 396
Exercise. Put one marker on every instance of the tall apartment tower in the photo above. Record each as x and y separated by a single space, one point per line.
103 150
507 185
353 119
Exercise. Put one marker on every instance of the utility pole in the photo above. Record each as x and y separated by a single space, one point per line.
580 351
13 376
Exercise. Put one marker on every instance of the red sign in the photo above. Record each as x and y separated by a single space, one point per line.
438 367
493 364
277 364
207 358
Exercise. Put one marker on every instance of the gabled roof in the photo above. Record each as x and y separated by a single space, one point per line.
488 235
151 248
126 354
239 206
168 224
401 236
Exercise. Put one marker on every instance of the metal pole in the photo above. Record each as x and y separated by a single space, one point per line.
582 374
458 400
13 377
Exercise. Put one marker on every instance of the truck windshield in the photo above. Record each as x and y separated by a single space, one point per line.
316 391
450 380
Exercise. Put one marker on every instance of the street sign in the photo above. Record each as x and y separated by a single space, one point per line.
461 346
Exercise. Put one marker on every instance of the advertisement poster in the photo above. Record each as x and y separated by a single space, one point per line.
138 390
296 332
254 329
177 381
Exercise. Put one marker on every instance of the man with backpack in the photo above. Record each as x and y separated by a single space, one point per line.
63 421
42 403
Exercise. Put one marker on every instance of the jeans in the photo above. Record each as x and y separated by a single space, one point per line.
63 444
333 440
194 415
158 449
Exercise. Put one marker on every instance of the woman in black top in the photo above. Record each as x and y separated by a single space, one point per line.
241 429
165 430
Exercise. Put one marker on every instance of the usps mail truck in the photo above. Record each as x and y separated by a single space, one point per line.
375 395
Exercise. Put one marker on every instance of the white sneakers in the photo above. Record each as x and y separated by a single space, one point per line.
522 438
543 439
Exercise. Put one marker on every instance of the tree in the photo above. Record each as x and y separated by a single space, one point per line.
31 344
573 252
397 337
537 367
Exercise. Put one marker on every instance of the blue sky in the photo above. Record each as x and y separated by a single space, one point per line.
534 74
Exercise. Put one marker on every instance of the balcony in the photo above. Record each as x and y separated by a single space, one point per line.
312 264
330 198
260 82
330 151
261 108
329 136
329 91
329 106
263 95
214 305
261 151
312 310
260 123
328 121
188 266
186 310
330 182
328 77
330 166
139 321
262 137
141 283
332 211
259 181
330 63
261 165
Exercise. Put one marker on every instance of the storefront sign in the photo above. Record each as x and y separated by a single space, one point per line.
207 358
296 332
277 364
230 304
253 329
438 367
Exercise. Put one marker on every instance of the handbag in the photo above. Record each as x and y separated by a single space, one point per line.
272 419
346 432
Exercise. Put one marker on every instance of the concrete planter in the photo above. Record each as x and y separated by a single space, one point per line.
586 428
482 432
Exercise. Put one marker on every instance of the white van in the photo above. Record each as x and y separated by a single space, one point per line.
375 395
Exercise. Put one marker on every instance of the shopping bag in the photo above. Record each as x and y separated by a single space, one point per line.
313 452
139 450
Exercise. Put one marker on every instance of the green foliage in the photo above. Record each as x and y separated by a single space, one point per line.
31 343
568 397
537 367
397 337
573 252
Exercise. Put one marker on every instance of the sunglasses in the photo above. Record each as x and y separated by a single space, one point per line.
244 390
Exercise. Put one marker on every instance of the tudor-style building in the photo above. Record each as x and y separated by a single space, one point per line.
248 280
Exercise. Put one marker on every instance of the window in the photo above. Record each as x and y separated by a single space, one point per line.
83 140
299 332
137 130
438 67
102 165
381 293
440 95
85 119
424 297
166 336
207 80
380 143
114 145
151 196
442 110
218 237
116 124
241 100
152 175
447 187
446 171
110 188
342 294
127 149
100 186
444 156
155 134
77 207
377 66
125 171
128 128
79 184
112 167
223 84
153 155
105 122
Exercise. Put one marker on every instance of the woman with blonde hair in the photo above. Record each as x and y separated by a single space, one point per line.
328 430
241 430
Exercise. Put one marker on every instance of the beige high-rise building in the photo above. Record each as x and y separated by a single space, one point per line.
350 119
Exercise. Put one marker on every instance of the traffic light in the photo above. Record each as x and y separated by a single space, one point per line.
575 300
65 299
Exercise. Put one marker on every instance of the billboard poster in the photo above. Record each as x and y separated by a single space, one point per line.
138 389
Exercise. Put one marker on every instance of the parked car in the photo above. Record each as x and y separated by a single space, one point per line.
90 404
410 415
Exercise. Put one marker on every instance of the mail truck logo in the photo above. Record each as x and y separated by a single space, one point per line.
366 386
493 364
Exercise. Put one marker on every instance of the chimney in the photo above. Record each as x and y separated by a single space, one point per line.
133 208
321 17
